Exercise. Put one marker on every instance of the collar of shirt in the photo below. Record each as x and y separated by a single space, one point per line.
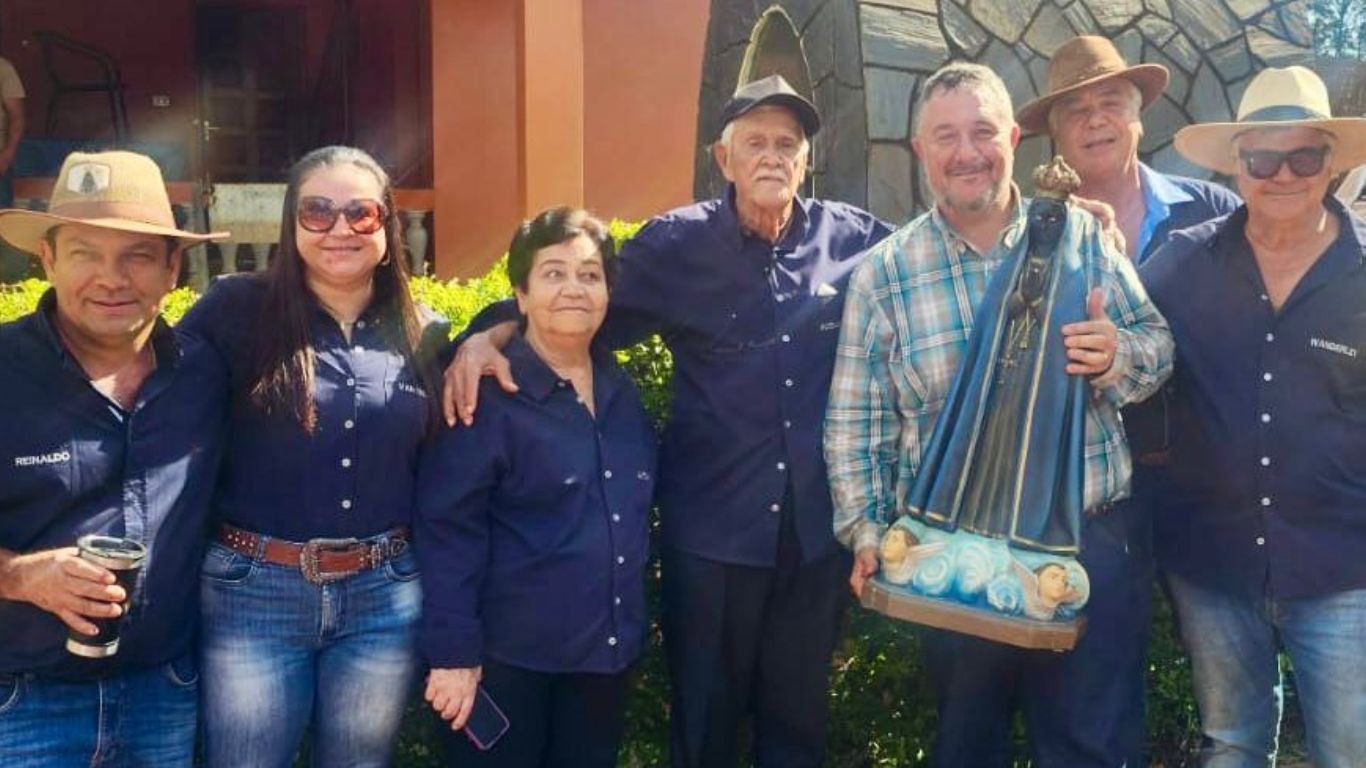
536 378
1229 242
1014 229
734 235
1159 195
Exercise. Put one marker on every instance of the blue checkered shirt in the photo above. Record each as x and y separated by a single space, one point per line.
907 318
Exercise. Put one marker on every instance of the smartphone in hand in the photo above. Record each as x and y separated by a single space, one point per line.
486 723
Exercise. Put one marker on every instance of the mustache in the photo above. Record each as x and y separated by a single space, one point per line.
960 169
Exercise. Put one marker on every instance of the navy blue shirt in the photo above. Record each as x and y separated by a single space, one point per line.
73 462
1172 203
354 475
752 327
1268 462
533 525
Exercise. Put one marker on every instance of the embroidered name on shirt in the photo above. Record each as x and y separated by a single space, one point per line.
56 457
1333 346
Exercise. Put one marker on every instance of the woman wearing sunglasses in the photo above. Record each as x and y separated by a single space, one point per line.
309 591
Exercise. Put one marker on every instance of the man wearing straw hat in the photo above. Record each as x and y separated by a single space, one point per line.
1263 536
111 427
1092 112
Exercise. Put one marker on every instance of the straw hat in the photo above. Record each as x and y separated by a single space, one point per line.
1083 61
1293 97
113 190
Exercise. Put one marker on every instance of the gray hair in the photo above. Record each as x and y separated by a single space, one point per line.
965 74
728 135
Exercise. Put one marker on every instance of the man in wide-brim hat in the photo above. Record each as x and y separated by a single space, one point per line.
1263 537
1092 110
111 427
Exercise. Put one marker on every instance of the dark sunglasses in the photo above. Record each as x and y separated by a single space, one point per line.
1265 163
319 214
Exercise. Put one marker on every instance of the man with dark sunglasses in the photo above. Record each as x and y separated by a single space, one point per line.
1263 534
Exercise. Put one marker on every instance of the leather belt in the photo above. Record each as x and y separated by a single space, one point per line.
321 561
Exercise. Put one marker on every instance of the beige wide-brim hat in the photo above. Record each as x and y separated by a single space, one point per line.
1292 97
1083 61
112 190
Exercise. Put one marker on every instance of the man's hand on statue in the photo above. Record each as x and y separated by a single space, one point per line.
479 356
61 583
1091 344
865 565
451 693
1109 226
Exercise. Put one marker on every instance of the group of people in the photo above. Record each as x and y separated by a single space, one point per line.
333 505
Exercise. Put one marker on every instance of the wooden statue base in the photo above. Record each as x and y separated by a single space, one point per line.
1012 630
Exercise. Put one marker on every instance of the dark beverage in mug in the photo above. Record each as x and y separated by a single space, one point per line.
124 558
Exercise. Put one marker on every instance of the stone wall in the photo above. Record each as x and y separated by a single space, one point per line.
867 59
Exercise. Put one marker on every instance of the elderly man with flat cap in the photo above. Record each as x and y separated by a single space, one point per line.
1263 534
112 426
747 291
1092 112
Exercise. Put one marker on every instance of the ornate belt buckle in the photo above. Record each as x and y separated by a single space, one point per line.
313 549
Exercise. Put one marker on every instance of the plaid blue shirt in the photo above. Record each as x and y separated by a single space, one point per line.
907 318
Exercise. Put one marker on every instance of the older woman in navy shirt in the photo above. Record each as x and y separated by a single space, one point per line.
532 524
309 591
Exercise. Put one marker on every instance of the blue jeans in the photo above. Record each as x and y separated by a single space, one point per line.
142 718
280 655
1232 641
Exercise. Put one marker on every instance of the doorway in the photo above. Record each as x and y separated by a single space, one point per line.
250 72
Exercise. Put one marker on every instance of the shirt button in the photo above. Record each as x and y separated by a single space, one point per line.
346 462
1271 337
616 518
1266 461
1261 542
774 507
560 384
782 465
786 338
787 382
1266 501
350 382
1267 376
787 424
616 600
358 349
360 323
621 560
1264 297
346 504
1266 418
607 474
611 641
349 424
781 298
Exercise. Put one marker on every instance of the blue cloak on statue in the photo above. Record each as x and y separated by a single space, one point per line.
1007 455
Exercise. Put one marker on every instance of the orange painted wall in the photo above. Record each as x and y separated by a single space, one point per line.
643 68
476 152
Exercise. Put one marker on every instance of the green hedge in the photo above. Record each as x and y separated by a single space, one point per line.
882 708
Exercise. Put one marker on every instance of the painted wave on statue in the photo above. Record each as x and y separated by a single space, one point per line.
979 571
